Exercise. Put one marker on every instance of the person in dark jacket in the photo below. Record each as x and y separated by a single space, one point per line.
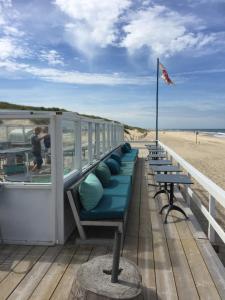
36 148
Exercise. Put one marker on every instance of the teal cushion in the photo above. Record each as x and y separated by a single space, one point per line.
109 207
91 192
128 145
126 171
125 148
117 189
116 157
113 166
103 173
128 158
122 179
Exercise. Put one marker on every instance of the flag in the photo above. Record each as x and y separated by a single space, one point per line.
165 75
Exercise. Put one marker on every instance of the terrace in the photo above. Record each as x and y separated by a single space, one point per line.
176 260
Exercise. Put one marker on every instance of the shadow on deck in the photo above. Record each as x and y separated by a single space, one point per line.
176 259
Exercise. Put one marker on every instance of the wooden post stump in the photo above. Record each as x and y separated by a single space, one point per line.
93 280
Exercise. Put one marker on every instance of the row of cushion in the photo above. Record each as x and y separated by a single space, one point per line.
106 193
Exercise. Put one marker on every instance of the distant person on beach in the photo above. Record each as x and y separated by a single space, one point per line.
36 148
47 143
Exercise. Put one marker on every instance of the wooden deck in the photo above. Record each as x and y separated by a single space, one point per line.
176 260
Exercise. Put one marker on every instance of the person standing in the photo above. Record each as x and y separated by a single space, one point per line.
36 148
47 143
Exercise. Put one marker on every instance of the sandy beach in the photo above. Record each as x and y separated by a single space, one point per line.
208 155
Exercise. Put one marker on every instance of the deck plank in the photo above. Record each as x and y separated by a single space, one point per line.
19 272
205 286
64 287
185 284
32 279
165 281
6 251
145 244
12 260
176 260
130 248
49 282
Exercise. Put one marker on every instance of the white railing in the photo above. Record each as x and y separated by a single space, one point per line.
216 194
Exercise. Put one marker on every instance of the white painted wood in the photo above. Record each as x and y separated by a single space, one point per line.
205 212
58 162
90 152
76 216
108 137
103 139
97 138
212 212
78 151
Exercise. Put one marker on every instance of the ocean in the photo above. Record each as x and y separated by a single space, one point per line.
220 133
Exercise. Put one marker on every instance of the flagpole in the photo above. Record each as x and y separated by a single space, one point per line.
157 103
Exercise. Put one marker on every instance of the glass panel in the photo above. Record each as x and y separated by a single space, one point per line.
84 143
68 139
25 150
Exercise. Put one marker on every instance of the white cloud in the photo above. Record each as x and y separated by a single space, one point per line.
93 23
52 57
9 48
74 77
165 32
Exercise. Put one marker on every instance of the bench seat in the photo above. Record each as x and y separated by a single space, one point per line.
114 202
130 156
110 207
121 178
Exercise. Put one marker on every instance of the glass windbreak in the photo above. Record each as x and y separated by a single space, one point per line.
84 143
68 137
25 150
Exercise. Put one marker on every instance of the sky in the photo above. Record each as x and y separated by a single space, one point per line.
99 58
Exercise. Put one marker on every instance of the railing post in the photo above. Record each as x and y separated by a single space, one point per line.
90 154
103 139
78 151
187 196
212 211
97 138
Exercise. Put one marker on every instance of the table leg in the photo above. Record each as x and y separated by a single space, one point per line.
171 205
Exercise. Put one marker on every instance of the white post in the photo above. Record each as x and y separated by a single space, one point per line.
90 156
212 211
108 137
57 165
103 139
187 196
78 154
97 138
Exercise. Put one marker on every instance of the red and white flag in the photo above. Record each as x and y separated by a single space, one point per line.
165 75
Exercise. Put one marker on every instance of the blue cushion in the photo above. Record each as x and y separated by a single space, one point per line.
117 189
128 171
113 166
128 145
90 191
122 179
125 148
109 207
116 157
128 158
103 173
